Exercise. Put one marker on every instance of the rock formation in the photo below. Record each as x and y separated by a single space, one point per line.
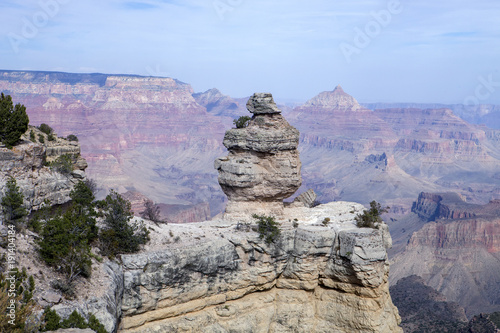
28 163
322 274
263 165
317 277
423 309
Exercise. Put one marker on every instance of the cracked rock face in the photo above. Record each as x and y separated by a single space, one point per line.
263 165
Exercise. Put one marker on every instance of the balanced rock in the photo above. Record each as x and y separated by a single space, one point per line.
263 165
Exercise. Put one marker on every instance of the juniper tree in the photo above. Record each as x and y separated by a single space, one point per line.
13 121
12 204
119 234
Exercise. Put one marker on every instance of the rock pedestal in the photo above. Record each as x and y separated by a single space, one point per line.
263 165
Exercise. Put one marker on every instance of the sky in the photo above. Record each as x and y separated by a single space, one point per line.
426 51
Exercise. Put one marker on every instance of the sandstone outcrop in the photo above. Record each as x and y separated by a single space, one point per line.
263 165
28 163
226 279
434 206
323 274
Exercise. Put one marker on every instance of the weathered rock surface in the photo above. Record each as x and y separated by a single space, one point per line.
307 199
313 279
106 307
263 165
26 162
72 330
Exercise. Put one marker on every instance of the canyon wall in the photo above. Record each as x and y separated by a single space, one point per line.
456 251
137 133
157 137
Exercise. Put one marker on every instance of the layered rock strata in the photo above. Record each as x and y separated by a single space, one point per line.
263 165
456 251
227 279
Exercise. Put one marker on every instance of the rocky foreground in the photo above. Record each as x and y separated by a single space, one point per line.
221 277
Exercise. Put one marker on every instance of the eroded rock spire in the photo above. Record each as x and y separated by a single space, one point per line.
263 165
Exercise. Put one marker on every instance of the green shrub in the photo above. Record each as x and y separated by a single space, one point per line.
52 322
51 137
72 137
32 136
63 164
66 288
82 195
326 221
75 320
242 121
370 217
495 318
35 223
64 243
12 205
268 228
13 121
45 129
119 235
41 138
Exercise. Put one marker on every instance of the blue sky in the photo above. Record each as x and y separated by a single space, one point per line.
379 51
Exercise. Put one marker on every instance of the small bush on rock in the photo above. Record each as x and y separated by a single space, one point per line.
65 244
45 128
72 137
268 228
53 322
32 136
16 288
242 121
63 164
369 218
41 138
151 212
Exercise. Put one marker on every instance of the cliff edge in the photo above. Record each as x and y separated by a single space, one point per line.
323 273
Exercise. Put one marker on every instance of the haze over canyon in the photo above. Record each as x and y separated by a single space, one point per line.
435 165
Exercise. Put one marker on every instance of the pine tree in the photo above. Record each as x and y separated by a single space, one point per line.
119 235
13 121
65 243
12 204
